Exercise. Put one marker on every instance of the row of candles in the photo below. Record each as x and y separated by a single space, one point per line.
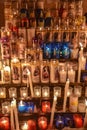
43 123
45 71
40 92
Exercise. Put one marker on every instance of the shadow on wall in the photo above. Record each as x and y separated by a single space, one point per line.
2 20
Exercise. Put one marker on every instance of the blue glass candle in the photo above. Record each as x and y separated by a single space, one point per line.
69 121
30 107
22 106
55 50
65 51
59 122
47 50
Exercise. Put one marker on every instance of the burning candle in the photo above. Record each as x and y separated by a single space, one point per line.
69 93
59 122
57 91
25 126
53 111
12 92
37 91
78 121
30 107
5 107
22 106
65 95
45 106
78 91
24 92
4 123
31 125
7 75
31 85
45 91
42 123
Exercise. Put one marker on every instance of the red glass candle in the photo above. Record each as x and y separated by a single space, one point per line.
42 123
31 125
78 121
4 123
45 106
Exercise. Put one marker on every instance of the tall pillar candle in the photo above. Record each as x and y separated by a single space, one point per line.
85 118
65 95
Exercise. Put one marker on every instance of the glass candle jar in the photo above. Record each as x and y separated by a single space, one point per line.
63 74
77 90
46 106
24 92
45 91
37 91
42 122
59 122
4 123
57 91
31 124
5 107
30 107
70 91
81 106
24 126
22 106
2 92
12 92
71 75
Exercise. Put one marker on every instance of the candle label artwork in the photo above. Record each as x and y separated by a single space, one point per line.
21 50
6 75
14 49
45 74
35 73
16 75
82 38
5 50
25 68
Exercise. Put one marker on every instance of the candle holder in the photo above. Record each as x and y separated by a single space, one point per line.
77 90
22 106
45 91
78 121
42 123
32 124
24 92
81 105
5 107
37 91
12 92
2 92
46 106
59 122
62 74
4 123
57 91
71 75
70 91
24 126
30 107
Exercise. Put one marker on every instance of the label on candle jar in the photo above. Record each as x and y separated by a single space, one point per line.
73 103
16 75
21 51
35 73
6 74
25 68
45 73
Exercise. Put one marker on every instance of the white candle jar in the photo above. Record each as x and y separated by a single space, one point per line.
78 91
37 91
45 72
70 91
57 91
5 107
62 74
71 75
2 92
54 74
12 92
45 91
23 92
35 69
81 106
6 74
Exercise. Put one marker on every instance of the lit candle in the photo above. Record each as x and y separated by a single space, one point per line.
78 121
65 95
4 123
2 93
45 92
37 91
53 111
85 118
7 75
31 125
31 85
24 127
42 123
45 106
22 106
71 75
